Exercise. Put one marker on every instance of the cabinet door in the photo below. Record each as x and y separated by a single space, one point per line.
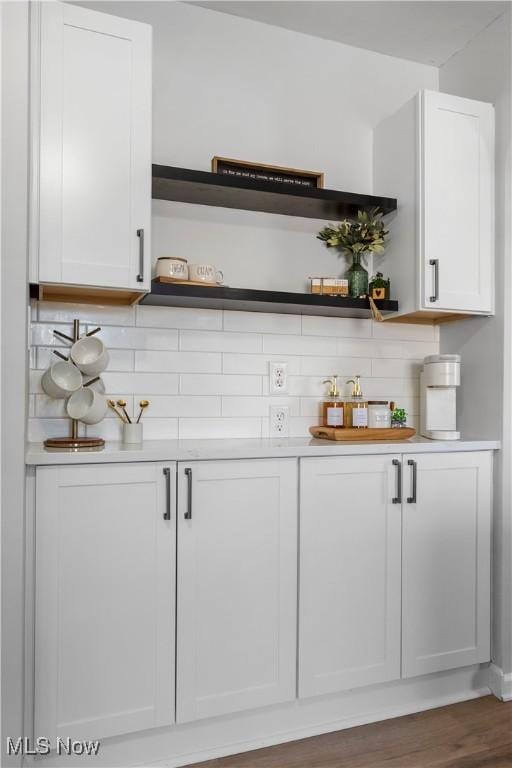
237 586
105 599
458 213
350 540
446 563
95 149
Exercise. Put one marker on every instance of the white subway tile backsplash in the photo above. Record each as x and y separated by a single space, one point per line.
405 331
183 406
143 384
344 327
97 314
244 406
299 345
219 341
219 428
387 367
206 372
219 384
328 366
139 338
260 322
178 362
257 364
179 317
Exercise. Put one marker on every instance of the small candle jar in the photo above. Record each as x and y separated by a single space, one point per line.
379 414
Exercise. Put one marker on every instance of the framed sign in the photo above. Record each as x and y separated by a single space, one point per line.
260 172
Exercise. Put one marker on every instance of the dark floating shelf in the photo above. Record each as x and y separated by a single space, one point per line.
205 188
220 297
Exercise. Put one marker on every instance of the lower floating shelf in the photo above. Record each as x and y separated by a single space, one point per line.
249 300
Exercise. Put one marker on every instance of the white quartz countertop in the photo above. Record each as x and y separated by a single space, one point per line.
197 450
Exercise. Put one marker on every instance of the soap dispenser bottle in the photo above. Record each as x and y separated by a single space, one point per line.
356 407
332 407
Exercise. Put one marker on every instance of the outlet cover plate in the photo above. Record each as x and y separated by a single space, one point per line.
278 378
279 421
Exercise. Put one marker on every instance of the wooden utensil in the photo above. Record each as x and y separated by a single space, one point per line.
112 405
143 404
122 405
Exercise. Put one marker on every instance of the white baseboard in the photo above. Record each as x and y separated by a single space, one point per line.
188 743
500 683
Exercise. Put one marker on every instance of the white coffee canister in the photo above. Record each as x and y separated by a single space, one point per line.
173 267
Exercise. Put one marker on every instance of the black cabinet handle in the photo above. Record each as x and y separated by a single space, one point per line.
167 513
398 498
140 235
412 463
188 513
435 263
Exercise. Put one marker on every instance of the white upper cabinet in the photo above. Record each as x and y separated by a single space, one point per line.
350 573
446 562
105 599
237 586
93 216
436 155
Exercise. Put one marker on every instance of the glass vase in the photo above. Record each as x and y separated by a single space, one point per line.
357 277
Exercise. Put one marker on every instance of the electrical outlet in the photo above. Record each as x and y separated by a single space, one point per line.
278 378
279 423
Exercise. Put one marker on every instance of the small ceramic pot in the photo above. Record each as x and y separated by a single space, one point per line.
205 273
90 355
132 433
61 380
172 266
87 405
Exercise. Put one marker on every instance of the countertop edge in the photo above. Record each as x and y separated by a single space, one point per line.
204 450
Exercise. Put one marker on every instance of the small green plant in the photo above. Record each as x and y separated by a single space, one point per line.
379 281
399 417
367 234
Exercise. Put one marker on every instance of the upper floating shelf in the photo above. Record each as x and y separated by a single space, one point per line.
205 188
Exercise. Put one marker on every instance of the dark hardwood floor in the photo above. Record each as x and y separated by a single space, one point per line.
473 734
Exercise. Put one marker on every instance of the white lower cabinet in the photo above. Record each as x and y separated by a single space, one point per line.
237 586
135 569
395 567
105 599
447 562
350 540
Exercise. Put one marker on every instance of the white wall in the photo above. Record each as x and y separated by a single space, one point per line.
14 358
230 86
233 87
482 70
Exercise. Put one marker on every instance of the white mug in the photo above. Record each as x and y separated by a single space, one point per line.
87 405
90 355
172 266
205 273
61 379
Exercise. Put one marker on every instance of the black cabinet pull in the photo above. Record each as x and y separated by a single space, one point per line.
398 498
412 463
188 513
140 235
435 263
167 513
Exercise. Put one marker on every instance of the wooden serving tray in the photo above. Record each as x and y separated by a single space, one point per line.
173 281
346 433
